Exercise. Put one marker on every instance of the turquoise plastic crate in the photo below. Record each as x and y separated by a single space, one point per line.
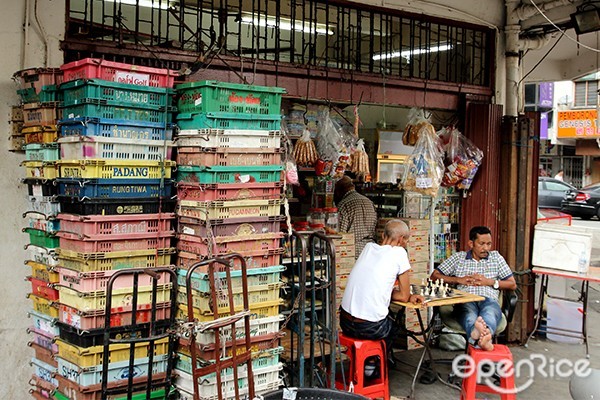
213 120
260 359
76 92
114 110
256 276
214 96
42 152
229 174
49 93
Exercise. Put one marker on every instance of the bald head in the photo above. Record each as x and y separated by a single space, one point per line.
396 229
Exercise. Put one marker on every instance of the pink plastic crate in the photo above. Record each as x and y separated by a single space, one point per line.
108 243
43 289
230 244
229 191
38 78
226 156
115 225
230 227
93 281
95 68
254 259
120 316
43 339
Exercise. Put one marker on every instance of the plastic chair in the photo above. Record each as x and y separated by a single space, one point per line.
470 385
357 351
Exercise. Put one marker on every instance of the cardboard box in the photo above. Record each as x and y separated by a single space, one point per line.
16 143
412 345
16 128
345 251
345 240
420 267
415 224
16 113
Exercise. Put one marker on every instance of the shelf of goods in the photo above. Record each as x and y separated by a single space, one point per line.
229 189
98 171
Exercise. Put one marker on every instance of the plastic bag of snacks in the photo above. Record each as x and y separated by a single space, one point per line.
425 166
291 171
335 145
417 124
305 152
359 160
462 160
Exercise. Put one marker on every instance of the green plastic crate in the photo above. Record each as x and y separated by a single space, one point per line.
186 121
42 238
229 174
156 395
214 96
42 152
48 94
114 110
76 92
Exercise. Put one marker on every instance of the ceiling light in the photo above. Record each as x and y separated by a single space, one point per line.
158 4
585 21
408 53
286 24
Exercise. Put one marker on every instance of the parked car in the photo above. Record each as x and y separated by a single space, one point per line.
583 203
551 192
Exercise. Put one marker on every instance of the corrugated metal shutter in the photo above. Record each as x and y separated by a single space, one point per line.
580 94
592 93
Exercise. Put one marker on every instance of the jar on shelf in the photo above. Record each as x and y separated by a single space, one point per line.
317 228
317 216
332 219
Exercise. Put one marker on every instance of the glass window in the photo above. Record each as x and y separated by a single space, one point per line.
556 186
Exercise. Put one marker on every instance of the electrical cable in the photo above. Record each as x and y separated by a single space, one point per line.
562 31
543 58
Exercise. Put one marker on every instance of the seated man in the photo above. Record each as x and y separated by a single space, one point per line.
370 286
482 272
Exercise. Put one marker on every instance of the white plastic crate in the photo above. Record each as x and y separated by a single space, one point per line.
89 147
264 379
42 255
229 138
258 327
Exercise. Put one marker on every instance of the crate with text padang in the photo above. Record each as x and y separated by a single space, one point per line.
214 96
103 261
228 156
82 189
231 174
254 259
117 225
229 191
115 169
120 316
115 129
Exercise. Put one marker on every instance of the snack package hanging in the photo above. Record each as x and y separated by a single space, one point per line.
417 124
305 152
359 160
462 158
291 171
425 166
335 144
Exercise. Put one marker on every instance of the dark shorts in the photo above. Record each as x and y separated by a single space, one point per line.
368 330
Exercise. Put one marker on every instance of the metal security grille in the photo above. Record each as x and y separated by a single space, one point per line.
314 33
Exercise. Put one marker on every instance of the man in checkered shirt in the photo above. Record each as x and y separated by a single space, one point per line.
357 213
483 272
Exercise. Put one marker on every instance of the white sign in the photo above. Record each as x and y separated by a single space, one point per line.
132 78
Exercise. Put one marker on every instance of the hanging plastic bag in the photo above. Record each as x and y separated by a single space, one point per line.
417 124
425 166
305 152
359 160
463 159
291 171
335 145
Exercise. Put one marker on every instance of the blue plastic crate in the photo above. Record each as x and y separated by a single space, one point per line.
218 120
114 188
115 128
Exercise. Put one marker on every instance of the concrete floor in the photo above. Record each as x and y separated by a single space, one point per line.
540 388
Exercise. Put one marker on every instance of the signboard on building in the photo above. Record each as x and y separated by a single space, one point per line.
546 95
577 124
544 126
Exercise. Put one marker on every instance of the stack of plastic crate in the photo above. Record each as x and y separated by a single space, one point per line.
34 128
229 185
114 187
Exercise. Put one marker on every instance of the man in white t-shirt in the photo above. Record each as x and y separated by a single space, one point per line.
370 287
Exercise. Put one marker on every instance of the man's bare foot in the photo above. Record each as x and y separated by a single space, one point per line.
478 328
485 341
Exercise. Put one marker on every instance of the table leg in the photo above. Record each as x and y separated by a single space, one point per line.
538 315
584 298
426 337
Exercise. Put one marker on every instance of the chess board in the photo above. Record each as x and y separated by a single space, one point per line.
416 289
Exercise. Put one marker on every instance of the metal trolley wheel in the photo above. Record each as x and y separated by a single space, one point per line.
315 394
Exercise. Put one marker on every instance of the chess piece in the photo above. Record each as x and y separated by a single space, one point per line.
426 291
437 283
422 281
422 293
442 282
447 288
444 294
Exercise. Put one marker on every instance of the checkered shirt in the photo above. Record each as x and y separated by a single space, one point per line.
462 264
357 215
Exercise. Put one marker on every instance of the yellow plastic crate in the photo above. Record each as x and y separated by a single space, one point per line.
115 169
43 272
256 295
204 210
40 169
259 310
40 134
121 297
92 356
44 306
91 262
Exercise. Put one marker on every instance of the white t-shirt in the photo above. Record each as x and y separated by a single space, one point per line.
369 289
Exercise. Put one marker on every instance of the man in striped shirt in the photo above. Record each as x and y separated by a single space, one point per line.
483 272
356 213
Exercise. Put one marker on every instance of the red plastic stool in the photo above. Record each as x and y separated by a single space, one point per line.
358 350
470 386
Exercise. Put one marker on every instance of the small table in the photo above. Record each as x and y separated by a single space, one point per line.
459 298
593 275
